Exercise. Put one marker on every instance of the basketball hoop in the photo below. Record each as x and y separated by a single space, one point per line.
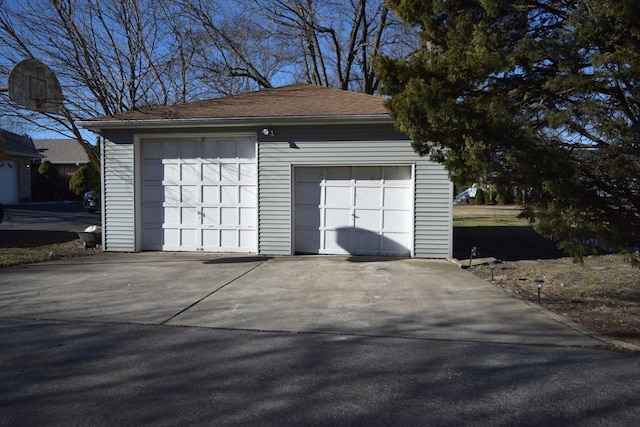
34 86
48 105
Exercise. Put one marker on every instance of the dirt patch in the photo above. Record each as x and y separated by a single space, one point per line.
603 294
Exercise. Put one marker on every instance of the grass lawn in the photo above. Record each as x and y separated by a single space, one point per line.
499 233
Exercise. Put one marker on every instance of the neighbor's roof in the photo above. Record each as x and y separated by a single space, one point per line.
61 151
297 102
18 145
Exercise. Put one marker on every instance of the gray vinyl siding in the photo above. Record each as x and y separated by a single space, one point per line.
344 145
371 145
118 217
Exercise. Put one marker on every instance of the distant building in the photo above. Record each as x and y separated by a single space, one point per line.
67 155
17 152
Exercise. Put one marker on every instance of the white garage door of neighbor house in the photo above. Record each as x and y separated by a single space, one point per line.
8 181
199 194
360 210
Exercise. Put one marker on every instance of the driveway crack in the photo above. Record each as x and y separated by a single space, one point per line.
189 307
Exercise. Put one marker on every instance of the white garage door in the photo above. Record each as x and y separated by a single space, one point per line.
354 210
199 194
8 182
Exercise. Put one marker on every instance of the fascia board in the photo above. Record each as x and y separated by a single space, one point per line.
97 125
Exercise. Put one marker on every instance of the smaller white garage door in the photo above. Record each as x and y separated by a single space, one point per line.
199 194
361 210
8 182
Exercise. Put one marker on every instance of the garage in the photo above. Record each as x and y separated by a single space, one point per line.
199 194
298 169
9 180
361 210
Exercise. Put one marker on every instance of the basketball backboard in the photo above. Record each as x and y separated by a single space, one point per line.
34 86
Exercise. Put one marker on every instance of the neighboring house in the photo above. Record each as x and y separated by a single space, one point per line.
16 154
66 155
296 169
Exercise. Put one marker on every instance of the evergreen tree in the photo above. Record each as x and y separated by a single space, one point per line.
540 95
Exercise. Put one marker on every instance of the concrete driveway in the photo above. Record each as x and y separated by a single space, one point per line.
409 298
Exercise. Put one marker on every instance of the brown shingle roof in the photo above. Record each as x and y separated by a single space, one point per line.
61 151
297 100
18 145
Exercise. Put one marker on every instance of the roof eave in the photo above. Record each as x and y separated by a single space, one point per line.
25 155
97 125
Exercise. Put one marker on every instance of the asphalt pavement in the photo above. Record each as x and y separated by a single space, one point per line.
48 216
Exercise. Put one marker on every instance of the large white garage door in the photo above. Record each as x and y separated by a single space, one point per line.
199 194
8 182
354 210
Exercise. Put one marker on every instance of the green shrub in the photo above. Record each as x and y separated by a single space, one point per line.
480 197
84 179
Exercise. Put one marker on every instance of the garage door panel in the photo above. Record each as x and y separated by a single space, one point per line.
210 239
211 193
229 238
188 215
397 173
308 194
210 216
189 172
247 239
203 197
172 194
366 243
247 216
367 219
308 241
210 149
368 197
154 194
229 195
188 194
172 215
229 216
248 172
229 172
337 196
335 242
396 220
367 174
335 218
170 150
396 197
171 171
210 173
395 243
311 175
152 171
339 174
246 149
248 196
364 210
307 216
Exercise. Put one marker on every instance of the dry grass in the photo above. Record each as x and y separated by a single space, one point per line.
24 247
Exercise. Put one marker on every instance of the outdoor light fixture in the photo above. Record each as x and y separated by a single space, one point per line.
475 251
492 264
539 282
267 132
